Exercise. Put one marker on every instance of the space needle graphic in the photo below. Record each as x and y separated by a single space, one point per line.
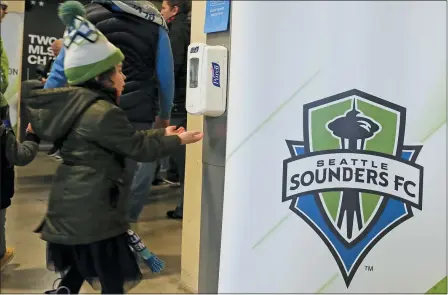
353 130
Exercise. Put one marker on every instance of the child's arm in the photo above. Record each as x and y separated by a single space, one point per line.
112 130
21 154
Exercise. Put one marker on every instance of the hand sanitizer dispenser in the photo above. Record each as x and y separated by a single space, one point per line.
206 80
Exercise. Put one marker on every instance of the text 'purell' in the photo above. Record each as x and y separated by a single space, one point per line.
216 72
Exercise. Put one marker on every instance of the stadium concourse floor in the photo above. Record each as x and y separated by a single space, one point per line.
27 272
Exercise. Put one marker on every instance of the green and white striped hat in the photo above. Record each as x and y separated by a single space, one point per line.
88 53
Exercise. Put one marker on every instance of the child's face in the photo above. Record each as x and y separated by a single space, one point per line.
118 79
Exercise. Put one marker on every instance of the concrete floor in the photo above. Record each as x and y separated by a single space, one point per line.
27 273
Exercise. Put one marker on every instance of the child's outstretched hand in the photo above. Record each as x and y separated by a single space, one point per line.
171 130
188 137
29 129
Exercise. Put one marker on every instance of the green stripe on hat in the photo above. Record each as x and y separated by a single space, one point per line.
81 74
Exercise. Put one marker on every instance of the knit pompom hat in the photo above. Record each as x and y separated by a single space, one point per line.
88 53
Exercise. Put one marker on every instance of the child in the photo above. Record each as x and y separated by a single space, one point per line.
12 153
58 79
86 223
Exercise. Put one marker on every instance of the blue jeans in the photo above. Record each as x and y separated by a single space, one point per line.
164 163
144 174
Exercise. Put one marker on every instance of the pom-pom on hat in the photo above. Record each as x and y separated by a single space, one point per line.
68 11
88 53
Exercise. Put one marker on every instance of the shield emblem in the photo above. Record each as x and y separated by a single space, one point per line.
350 136
351 212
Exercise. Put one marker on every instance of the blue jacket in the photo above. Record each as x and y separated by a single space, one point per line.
148 65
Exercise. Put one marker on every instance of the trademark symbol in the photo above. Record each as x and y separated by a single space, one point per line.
368 268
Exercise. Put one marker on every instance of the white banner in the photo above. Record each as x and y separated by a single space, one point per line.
335 173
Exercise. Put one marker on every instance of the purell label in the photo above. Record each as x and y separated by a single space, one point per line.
216 74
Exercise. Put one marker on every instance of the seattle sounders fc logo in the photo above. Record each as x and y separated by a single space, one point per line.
352 179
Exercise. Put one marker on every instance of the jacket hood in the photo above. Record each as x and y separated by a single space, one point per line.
53 112
139 8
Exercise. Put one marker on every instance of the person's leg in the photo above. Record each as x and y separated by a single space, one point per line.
71 282
158 179
140 189
141 184
6 254
113 264
179 157
163 165
111 283
53 150
172 173
172 167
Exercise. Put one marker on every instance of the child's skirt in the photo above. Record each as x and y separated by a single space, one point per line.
109 259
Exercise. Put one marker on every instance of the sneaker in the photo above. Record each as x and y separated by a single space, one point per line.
53 154
158 182
56 155
173 215
9 255
52 151
172 183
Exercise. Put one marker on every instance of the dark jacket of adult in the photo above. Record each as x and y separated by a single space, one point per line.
12 154
89 196
149 62
179 32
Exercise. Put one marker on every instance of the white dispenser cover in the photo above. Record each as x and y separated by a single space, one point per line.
206 80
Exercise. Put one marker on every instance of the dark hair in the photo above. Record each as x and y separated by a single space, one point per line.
105 78
184 5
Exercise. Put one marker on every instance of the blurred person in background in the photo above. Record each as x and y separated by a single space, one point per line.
140 31
56 47
177 16
11 152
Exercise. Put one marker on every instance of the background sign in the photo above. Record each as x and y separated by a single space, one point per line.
336 182
217 15
37 38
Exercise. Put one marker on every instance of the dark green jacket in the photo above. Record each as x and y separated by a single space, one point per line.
12 154
89 196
